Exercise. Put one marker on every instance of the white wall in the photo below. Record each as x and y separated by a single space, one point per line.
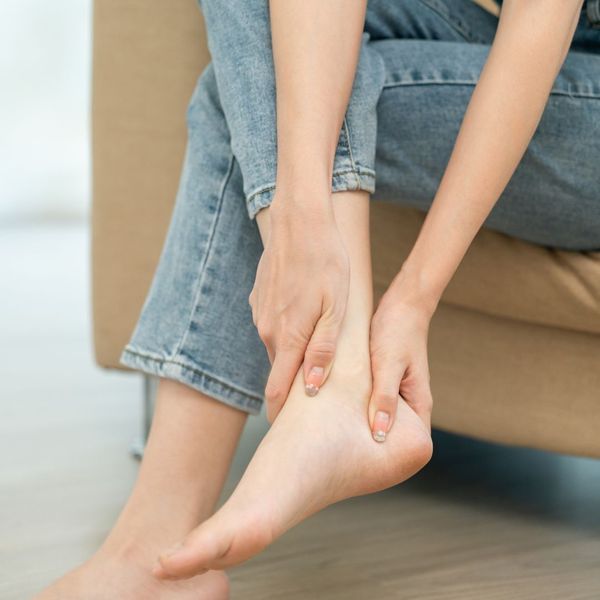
45 60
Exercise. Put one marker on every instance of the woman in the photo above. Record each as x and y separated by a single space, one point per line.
295 106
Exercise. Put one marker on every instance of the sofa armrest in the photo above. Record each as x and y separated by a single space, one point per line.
148 55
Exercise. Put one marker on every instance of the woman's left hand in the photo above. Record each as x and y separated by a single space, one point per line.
399 362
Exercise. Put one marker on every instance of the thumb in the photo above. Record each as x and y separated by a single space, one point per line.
418 394
387 376
320 353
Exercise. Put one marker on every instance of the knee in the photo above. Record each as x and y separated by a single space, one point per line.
205 104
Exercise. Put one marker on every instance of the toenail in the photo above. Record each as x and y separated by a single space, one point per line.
379 435
172 550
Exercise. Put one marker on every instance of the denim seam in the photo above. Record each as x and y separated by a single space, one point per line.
459 27
162 360
146 353
358 171
201 270
261 190
360 175
565 93
350 154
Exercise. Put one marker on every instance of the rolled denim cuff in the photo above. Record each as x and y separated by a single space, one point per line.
343 180
354 161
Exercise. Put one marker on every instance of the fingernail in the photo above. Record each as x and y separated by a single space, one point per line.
315 375
381 424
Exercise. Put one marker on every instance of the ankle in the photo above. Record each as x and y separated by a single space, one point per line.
351 374
129 550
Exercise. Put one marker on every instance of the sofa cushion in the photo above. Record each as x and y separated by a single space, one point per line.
499 275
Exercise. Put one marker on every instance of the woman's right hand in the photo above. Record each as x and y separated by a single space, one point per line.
299 296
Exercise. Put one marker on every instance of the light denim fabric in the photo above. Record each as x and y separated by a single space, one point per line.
419 63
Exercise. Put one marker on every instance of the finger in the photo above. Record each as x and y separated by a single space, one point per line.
285 366
418 395
320 352
252 301
266 333
383 404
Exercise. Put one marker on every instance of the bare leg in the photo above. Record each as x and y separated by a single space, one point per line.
319 450
187 458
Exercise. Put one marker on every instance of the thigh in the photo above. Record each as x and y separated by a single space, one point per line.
552 199
444 20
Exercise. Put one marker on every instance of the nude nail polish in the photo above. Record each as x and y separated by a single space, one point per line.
381 424
313 381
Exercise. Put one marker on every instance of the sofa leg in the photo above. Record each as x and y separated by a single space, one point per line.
148 400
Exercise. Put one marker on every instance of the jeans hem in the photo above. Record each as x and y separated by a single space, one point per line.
193 377
343 180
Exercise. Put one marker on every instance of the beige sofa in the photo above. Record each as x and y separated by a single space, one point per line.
515 344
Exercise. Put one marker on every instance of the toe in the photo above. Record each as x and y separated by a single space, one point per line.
202 548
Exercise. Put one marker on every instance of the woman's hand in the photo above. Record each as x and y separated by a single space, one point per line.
399 362
301 286
299 296
531 43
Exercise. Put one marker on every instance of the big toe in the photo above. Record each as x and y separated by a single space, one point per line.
199 551
224 540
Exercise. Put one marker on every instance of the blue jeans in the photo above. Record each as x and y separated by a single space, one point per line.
419 63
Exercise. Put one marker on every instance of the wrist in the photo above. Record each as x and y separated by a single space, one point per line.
304 170
412 287
306 204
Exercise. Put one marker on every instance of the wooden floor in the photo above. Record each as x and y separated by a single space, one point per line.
481 522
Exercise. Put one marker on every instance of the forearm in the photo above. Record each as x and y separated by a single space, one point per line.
315 49
531 43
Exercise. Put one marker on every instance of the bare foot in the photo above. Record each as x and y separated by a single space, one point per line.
129 578
185 463
318 451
